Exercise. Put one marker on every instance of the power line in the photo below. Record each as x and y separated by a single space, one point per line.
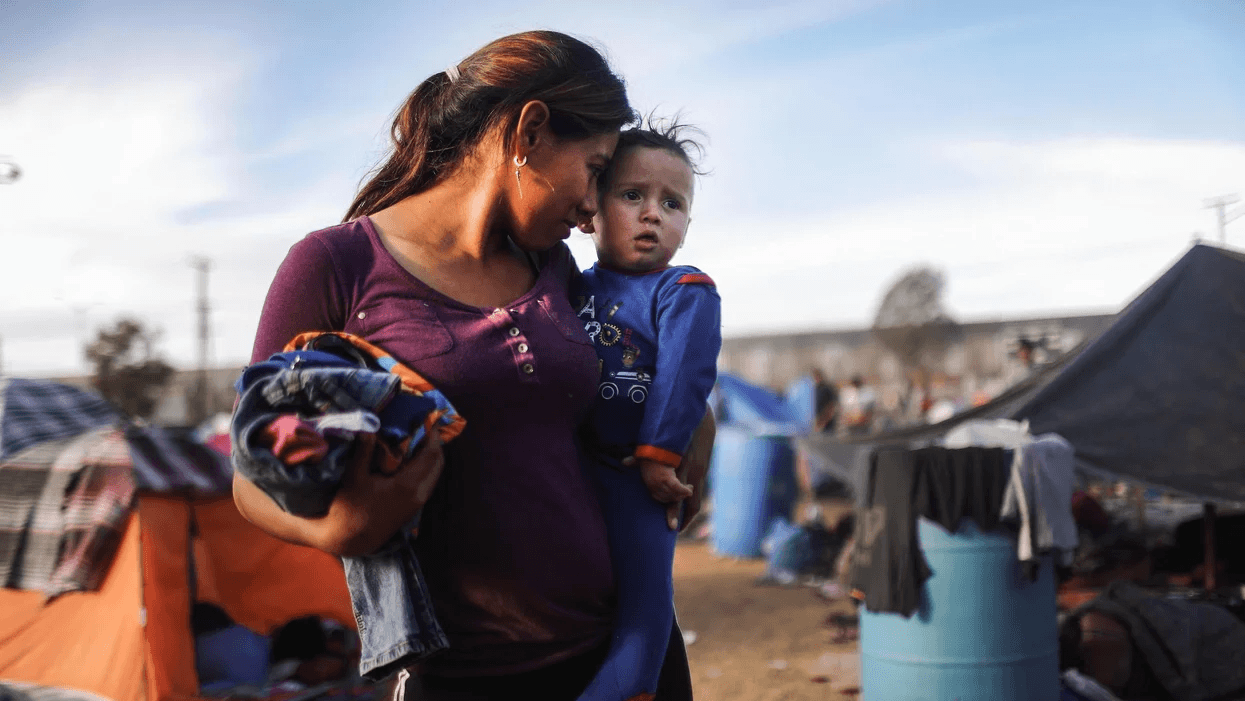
1234 215
1220 205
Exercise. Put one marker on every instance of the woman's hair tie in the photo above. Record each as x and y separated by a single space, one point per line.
453 72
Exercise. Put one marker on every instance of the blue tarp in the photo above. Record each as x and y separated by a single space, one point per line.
754 409
34 411
800 399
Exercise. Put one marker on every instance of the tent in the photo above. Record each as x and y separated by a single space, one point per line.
1158 398
182 540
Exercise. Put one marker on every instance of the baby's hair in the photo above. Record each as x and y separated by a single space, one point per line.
666 134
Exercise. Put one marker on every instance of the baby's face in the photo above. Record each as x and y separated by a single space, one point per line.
643 212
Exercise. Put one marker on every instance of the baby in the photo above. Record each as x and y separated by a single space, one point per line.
657 332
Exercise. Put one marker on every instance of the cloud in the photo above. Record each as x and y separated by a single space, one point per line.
112 153
136 158
690 32
834 165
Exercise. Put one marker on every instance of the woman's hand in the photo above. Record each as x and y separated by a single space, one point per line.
378 505
662 482
693 470
367 509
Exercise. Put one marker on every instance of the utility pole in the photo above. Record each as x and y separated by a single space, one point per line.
199 411
10 173
1220 205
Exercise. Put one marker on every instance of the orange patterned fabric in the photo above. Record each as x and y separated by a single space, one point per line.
449 423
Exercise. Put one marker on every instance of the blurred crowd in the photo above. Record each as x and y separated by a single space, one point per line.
856 407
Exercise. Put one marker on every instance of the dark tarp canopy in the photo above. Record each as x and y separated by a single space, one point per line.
1158 398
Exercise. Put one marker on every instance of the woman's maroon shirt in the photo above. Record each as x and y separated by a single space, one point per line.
512 543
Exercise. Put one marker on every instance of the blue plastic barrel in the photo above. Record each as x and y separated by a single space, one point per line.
984 632
753 481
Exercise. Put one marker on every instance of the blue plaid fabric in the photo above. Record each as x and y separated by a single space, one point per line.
33 411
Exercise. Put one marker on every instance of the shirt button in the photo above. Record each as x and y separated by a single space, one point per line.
362 315
522 347
528 369
514 330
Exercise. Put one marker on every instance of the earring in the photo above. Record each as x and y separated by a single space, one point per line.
518 173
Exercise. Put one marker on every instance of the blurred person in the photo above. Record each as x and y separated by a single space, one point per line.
1025 353
451 258
941 410
226 654
859 402
657 332
825 403
1026 362
916 401
310 651
1088 513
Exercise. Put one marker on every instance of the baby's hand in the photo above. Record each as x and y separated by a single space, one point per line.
662 483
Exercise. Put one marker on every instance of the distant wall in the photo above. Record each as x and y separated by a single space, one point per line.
981 361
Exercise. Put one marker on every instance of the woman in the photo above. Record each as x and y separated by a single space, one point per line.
451 259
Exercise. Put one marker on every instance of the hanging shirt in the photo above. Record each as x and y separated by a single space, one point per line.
1040 494
943 485
657 337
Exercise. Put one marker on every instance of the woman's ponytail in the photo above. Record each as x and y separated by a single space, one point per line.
443 119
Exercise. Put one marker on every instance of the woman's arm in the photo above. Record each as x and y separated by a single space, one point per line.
367 510
320 533
694 469
307 294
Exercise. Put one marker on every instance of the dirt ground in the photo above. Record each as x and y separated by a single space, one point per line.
758 643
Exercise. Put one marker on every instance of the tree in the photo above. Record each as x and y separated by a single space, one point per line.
911 321
128 372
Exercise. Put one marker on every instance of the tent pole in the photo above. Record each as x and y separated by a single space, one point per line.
1208 539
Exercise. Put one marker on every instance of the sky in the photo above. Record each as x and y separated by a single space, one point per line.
1049 158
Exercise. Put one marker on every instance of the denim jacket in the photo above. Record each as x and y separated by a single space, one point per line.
392 607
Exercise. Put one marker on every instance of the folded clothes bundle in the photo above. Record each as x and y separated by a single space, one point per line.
293 431
301 409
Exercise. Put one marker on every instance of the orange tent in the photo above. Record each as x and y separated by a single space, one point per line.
131 639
